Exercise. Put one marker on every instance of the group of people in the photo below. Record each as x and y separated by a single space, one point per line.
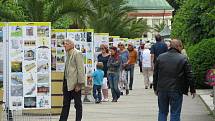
172 75
114 69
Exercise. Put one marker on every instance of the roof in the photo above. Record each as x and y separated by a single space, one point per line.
150 4
165 32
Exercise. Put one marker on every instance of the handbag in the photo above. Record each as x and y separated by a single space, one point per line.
127 67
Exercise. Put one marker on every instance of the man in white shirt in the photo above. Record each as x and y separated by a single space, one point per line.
146 64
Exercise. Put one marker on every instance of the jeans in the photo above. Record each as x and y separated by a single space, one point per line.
131 75
67 97
174 99
97 92
123 80
114 81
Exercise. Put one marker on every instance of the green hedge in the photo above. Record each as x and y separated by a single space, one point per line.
202 58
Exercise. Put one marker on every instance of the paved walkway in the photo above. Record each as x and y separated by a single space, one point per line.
140 105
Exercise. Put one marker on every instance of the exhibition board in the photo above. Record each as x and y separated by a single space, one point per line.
28 66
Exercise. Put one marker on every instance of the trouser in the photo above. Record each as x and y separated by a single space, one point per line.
123 80
147 73
140 65
67 97
131 76
97 92
174 99
114 81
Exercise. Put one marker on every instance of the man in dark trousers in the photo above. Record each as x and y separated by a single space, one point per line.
173 77
158 48
74 76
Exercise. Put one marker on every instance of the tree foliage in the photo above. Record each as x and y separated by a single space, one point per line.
10 11
111 16
202 58
194 21
47 10
159 27
175 4
194 24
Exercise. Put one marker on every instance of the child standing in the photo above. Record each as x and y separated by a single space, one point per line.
98 76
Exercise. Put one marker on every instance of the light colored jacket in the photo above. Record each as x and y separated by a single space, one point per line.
75 69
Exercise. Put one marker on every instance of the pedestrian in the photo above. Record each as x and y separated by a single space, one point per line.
146 64
172 78
123 54
132 59
158 48
74 77
139 56
103 57
98 76
113 73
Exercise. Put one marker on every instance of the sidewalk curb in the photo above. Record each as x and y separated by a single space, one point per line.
212 112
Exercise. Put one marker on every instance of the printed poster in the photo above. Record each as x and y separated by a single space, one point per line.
99 38
83 39
58 52
30 65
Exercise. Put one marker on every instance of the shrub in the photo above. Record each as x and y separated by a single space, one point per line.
202 58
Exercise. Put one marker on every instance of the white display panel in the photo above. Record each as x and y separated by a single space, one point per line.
83 39
114 40
29 65
84 42
58 52
3 37
100 38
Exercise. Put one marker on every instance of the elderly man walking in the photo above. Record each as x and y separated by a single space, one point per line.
172 78
73 79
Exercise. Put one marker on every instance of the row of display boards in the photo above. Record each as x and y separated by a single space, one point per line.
31 51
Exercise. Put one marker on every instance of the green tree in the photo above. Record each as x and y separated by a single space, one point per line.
133 28
10 11
112 17
108 14
176 4
75 11
159 27
194 21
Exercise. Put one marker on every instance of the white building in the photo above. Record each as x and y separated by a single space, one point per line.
154 12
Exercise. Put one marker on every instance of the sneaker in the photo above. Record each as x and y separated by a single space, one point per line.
127 92
114 100
97 101
146 87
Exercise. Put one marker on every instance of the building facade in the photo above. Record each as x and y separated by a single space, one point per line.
154 12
